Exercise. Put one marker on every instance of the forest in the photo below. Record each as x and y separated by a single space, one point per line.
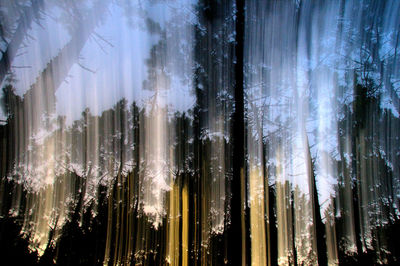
199 132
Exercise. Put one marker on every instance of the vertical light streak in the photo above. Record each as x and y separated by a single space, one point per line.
257 189
154 154
257 218
284 213
173 227
185 225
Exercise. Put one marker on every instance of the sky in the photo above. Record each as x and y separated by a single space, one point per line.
112 64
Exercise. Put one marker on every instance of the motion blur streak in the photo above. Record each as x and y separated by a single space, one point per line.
201 132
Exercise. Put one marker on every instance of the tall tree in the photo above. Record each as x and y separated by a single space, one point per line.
237 244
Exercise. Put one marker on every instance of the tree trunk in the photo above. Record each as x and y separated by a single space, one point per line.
237 244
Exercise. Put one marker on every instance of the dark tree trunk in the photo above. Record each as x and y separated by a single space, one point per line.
237 231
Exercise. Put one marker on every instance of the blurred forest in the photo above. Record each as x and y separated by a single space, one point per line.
288 154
